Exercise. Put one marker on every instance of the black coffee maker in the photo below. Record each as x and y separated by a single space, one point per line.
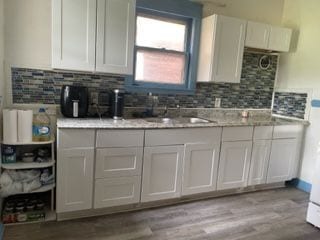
74 101
117 104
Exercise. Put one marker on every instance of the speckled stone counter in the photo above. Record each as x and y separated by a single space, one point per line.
215 121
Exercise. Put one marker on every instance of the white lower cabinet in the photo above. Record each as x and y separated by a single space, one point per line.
97 171
112 192
75 179
200 168
162 169
259 162
234 164
282 160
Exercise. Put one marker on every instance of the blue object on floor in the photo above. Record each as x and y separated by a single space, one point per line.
1 231
315 103
300 184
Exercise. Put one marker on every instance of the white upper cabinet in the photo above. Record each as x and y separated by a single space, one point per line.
73 34
257 35
280 39
93 35
221 49
115 36
265 36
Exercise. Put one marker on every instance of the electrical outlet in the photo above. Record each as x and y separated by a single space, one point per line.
94 98
217 103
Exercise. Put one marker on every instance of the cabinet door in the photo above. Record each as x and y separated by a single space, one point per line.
117 191
73 34
115 36
74 179
257 35
282 159
259 162
162 169
228 49
200 168
234 164
280 39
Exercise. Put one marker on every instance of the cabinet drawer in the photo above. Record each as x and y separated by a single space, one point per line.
287 131
263 133
120 138
117 191
75 138
118 162
166 137
237 134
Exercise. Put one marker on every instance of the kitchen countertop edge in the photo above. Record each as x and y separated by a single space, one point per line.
69 123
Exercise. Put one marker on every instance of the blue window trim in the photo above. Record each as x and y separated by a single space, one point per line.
180 10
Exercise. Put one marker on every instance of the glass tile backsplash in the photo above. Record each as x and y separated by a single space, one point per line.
35 86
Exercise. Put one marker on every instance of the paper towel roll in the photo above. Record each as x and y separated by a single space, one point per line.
25 126
10 126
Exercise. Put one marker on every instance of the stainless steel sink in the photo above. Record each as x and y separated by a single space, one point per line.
198 120
177 120
160 120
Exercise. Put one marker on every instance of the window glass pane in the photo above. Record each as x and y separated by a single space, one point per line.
159 33
160 67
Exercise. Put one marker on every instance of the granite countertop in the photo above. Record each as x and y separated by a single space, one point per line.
225 121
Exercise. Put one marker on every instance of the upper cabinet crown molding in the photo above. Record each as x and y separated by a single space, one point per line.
93 35
268 37
221 49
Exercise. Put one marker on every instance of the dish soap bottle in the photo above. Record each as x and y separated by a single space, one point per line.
41 127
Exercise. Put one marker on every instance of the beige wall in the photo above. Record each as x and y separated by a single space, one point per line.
28 33
300 69
268 11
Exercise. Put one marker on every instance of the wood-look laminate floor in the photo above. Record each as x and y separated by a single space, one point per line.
266 215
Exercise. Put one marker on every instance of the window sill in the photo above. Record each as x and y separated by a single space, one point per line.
141 89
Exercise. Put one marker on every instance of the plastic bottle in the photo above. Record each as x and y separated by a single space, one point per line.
151 105
41 127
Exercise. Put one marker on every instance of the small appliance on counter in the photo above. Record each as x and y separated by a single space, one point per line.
74 101
117 104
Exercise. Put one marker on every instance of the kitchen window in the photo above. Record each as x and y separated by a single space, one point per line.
162 53
161 50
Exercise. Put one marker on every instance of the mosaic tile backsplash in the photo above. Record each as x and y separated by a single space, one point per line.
290 104
31 86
